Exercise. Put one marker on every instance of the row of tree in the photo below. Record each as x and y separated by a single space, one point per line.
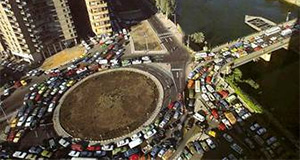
167 7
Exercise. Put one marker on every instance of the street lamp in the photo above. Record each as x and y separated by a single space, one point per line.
146 38
3 112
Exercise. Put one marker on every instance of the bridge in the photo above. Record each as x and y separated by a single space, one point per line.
264 53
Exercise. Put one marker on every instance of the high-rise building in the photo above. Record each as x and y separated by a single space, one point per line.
35 29
99 16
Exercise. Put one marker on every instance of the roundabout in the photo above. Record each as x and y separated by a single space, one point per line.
109 105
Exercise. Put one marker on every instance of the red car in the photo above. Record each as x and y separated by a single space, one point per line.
76 147
93 148
11 136
171 105
37 97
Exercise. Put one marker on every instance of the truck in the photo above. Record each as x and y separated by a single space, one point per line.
230 117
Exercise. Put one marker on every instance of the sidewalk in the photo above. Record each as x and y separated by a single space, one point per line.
167 23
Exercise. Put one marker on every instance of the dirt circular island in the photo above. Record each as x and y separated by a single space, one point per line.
108 105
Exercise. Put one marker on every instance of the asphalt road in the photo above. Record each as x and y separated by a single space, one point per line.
178 56
15 100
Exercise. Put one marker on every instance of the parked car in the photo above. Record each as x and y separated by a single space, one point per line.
227 137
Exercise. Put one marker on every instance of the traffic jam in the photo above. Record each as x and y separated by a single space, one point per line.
210 101
158 140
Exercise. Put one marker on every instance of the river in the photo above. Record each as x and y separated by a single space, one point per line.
222 21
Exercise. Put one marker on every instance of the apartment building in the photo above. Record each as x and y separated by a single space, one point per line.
99 16
35 29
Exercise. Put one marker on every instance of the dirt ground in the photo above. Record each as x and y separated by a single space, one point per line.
138 34
62 57
109 105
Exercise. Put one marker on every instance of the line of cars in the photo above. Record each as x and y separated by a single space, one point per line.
251 45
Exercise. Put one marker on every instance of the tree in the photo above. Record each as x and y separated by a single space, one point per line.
237 75
197 37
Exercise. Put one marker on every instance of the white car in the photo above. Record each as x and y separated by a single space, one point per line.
203 89
150 133
135 143
145 58
74 153
19 154
136 136
137 61
51 107
21 121
210 88
246 115
29 121
210 143
205 97
6 92
64 143
107 147
122 142
33 87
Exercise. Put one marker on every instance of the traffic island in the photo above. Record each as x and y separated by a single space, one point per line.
109 106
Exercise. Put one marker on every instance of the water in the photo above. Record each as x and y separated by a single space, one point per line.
223 20
279 87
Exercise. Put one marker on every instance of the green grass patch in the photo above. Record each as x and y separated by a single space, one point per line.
254 107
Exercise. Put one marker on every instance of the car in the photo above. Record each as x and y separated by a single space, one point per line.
31 157
21 121
249 143
161 152
11 136
204 146
99 154
227 137
64 142
18 136
46 153
123 142
74 153
93 148
205 97
210 143
155 151
150 133
198 147
42 112
29 121
13 123
19 154
187 154
51 107
6 92
271 140
236 148
108 147
261 131
86 154
35 150
131 152
136 136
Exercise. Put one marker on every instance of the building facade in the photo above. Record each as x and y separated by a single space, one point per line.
35 29
99 16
